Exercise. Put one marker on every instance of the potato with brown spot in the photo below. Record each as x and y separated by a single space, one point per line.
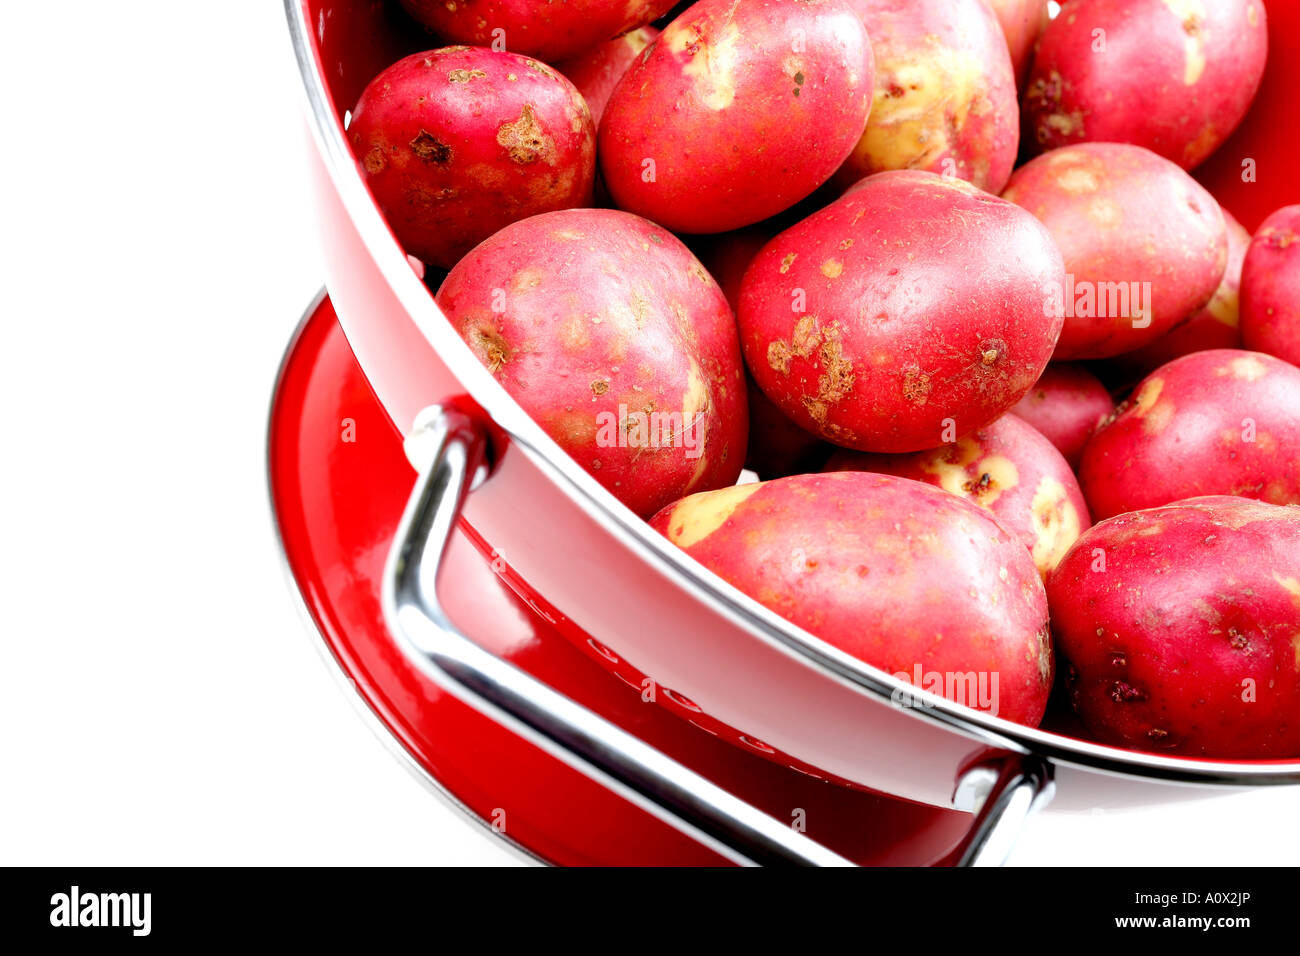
452 150
609 339
705 132
903 339
1185 643
1009 470
894 572
945 93
1220 422
1145 245
1174 76
777 446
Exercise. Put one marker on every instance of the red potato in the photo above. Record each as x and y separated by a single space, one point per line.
905 314
611 335
1270 287
1067 405
597 71
1175 76
1009 470
1217 326
1222 422
1178 628
546 29
898 574
458 142
777 446
1145 245
1022 21
945 93
736 112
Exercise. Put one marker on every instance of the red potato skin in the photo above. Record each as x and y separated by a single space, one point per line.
945 93
1184 641
1067 405
597 71
1121 214
777 446
721 123
551 30
1022 22
459 142
590 317
1270 287
920 313
1216 326
1222 422
894 572
1176 76
1009 470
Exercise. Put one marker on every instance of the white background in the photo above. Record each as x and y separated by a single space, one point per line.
162 702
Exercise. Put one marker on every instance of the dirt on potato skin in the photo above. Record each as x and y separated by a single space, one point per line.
613 338
897 346
458 142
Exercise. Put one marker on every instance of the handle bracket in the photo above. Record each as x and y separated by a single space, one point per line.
454 450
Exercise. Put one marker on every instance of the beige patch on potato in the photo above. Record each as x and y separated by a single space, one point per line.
488 343
1078 179
698 516
574 335
1225 307
525 140
1202 145
787 262
1062 123
920 104
997 474
1247 368
697 403
695 400
711 60
1104 212
1148 406
1056 524
962 472
837 378
1290 585
832 268
526 279
1191 15
779 355
1148 395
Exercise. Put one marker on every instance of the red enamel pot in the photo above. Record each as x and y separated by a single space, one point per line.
723 664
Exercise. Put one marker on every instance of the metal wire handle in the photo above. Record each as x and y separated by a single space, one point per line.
573 734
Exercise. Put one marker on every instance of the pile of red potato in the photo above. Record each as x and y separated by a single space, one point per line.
885 253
